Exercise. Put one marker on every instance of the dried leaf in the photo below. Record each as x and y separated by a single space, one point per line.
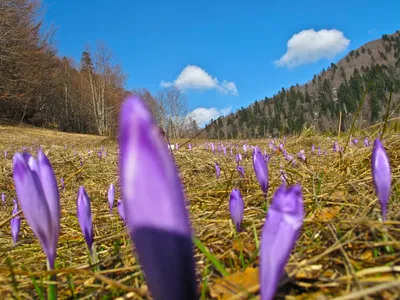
328 213
238 283
309 272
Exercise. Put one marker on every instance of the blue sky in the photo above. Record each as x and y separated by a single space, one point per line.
222 54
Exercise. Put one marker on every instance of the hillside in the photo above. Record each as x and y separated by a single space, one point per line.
319 102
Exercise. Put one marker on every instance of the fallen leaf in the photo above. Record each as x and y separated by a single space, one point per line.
238 283
328 213
309 272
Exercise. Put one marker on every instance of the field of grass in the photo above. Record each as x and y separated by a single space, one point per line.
344 251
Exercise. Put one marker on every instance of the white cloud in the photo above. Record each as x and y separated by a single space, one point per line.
203 115
194 77
308 46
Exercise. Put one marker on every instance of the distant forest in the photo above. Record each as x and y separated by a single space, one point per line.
374 68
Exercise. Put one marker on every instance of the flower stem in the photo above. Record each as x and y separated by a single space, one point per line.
52 288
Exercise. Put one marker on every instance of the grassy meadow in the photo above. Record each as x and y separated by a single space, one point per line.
344 251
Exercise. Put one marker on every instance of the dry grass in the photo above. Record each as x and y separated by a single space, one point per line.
343 251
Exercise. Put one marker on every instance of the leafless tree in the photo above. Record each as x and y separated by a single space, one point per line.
175 105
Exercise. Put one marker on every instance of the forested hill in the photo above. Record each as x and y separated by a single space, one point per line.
318 103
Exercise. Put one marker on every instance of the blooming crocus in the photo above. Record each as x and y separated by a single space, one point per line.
15 224
312 148
111 196
62 183
38 195
155 210
240 169
261 169
84 214
381 175
99 154
121 209
319 151
236 208
280 147
278 237
217 170
366 142
3 198
355 141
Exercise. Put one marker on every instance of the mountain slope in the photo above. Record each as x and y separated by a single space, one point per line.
339 89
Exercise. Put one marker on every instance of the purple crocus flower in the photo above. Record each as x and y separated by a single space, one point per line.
312 148
190 146
231 151
238 158
39 198
245 148
84 214
236 208
319 151
335 147
278 237
283 176
240 169
5 154
355 141
224 150
366 142
111 196
15 224
3 198
261 169
217 170
99 154
219 148
177 146
280 147
155 210
381 175
121 209
301 155
213 148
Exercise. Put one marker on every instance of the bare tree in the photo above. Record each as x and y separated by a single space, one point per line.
105 80
156 107
175 105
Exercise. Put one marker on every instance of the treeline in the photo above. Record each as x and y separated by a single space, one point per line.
39 88
335 92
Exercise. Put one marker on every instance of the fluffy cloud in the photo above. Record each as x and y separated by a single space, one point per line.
194 77
203 115
308 46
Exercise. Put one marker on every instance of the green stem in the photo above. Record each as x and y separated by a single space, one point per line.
52 288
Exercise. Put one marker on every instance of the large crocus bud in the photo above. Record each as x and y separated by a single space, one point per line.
381 175
15 224
111 196
261 169
236 208
155 208
84 214
279 235
39 198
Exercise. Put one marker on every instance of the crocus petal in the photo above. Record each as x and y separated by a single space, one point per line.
240 169
155 207
381 175
261 169
111 196
278 238
236 208
84 214
33 203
